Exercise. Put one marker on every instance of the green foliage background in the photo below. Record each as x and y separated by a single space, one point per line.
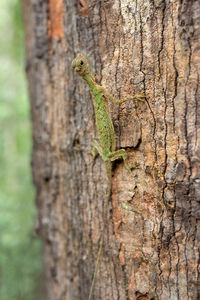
20 259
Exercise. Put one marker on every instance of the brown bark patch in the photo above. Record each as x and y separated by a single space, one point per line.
55 19
83 9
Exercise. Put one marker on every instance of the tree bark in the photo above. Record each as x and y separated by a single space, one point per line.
150 248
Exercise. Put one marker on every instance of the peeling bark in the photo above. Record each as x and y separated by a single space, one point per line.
152 221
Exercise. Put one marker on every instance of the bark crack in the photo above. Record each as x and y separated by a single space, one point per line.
189 159
162 35
125 282
186 111
144 85
165 99
117 71
165 147
116 285
176 242
170 269
175 79
196 109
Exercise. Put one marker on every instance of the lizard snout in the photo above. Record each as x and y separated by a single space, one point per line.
73 64
76 66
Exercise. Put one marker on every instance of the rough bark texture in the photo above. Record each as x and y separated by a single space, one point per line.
151 242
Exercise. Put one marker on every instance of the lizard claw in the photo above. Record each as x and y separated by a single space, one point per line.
139 96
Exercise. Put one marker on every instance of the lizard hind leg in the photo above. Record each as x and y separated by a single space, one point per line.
120 154
97 147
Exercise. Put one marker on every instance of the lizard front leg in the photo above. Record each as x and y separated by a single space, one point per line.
138 96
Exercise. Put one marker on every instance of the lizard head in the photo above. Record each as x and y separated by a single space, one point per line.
80 65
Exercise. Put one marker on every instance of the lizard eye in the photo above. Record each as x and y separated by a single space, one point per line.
81 62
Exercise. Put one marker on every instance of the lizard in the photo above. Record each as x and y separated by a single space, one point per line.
106 144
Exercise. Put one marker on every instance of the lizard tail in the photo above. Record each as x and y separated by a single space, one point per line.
96 267
109 175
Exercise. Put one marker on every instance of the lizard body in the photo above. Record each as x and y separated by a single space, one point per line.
106 144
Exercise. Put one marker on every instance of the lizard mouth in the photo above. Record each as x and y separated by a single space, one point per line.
77 69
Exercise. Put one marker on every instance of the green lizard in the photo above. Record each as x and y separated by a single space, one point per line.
106 147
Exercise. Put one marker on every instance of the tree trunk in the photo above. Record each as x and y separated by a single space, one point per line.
150 248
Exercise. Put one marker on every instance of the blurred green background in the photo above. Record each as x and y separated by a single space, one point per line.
20 248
